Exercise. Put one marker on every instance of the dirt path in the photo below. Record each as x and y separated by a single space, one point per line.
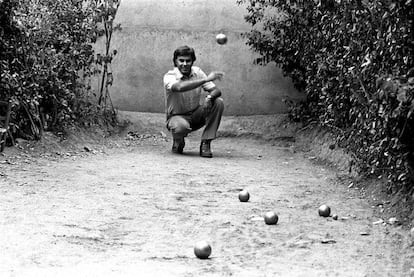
138 210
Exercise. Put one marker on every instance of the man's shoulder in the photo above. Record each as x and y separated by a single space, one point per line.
196 69
170 72
173 73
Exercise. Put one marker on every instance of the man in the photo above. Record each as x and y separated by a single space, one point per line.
183 89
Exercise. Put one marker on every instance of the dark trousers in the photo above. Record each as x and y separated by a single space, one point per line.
181 125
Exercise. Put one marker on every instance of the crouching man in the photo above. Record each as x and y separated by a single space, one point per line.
183 89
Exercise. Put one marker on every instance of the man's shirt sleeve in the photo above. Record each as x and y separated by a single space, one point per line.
169 80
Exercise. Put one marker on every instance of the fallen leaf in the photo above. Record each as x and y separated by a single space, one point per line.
378 222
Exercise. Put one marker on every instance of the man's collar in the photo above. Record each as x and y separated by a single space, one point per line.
179 75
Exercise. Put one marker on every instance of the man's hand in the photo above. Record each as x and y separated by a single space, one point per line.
207 105
215 75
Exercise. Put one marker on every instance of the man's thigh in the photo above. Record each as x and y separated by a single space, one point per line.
198 119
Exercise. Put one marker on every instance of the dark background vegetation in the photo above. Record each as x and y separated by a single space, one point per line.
47 61
353 59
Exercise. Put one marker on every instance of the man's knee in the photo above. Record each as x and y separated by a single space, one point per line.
179 127
181 131
219 103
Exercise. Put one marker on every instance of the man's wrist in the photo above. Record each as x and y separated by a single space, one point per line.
210 97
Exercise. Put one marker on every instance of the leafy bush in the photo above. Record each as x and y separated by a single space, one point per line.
354 61
47 60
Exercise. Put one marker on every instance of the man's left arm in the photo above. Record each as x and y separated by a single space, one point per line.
214 93
209 100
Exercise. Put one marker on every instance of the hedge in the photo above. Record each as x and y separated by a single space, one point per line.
354 62
47 60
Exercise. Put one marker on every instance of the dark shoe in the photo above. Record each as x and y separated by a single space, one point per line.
178 146
205 150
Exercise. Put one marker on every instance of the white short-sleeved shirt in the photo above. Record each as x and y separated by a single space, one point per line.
183 102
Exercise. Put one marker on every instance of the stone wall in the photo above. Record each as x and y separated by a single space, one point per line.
152 30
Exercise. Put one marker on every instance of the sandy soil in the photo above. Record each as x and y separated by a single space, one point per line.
132 208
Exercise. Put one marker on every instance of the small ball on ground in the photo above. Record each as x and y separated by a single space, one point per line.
244 196
335 217
324 211
221 39
202 250
271 218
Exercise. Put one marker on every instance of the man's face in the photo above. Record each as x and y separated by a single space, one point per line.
184 64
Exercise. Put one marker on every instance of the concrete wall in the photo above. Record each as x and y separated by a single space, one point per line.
153 29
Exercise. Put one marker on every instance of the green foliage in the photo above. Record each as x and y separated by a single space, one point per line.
47 60
354 61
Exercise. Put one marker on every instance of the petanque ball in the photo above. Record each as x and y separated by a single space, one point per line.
324 211
271 218
221 39
202 250
244 196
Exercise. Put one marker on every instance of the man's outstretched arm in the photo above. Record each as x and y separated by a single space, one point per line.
192 84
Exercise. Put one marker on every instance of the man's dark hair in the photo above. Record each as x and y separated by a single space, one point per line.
184 51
